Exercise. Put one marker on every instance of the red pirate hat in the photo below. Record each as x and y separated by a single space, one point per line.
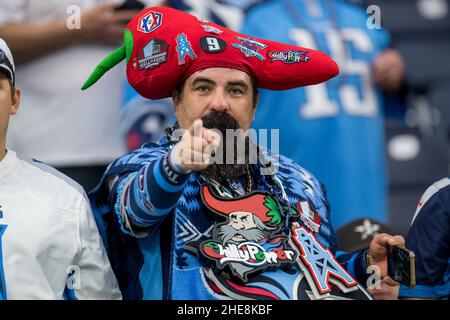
258 203
164 46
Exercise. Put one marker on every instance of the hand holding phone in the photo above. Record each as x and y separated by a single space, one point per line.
401 265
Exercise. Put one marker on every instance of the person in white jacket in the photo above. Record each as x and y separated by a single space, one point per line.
50 246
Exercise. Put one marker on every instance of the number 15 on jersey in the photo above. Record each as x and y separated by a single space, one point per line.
355 97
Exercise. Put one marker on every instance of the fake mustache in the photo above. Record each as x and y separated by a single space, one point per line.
220 120
227 232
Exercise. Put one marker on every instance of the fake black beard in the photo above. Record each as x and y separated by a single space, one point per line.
223 121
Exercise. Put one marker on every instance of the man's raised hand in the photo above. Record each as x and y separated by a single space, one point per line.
195 149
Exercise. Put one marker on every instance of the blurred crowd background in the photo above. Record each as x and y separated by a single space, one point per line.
376 157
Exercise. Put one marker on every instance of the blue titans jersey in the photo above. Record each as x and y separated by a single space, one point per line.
151 217
334 129
429 238
228 13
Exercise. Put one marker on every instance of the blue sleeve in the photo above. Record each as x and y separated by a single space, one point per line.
355 264
429 238
145 197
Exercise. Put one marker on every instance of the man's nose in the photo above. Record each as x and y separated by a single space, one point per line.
239 226
219 101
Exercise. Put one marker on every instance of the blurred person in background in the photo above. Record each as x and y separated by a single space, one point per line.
50 246
417 119
56 44
334 129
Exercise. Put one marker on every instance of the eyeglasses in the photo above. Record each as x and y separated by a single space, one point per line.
5 61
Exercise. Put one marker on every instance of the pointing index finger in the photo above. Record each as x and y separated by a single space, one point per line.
197 128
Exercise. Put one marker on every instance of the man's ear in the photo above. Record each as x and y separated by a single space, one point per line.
15 99
176 99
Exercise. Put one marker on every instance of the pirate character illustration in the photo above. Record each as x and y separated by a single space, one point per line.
248 241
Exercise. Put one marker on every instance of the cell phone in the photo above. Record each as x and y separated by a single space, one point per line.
401 266
131 4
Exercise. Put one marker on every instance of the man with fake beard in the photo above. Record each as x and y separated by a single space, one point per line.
180 221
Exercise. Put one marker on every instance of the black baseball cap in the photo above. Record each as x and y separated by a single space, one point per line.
357 234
